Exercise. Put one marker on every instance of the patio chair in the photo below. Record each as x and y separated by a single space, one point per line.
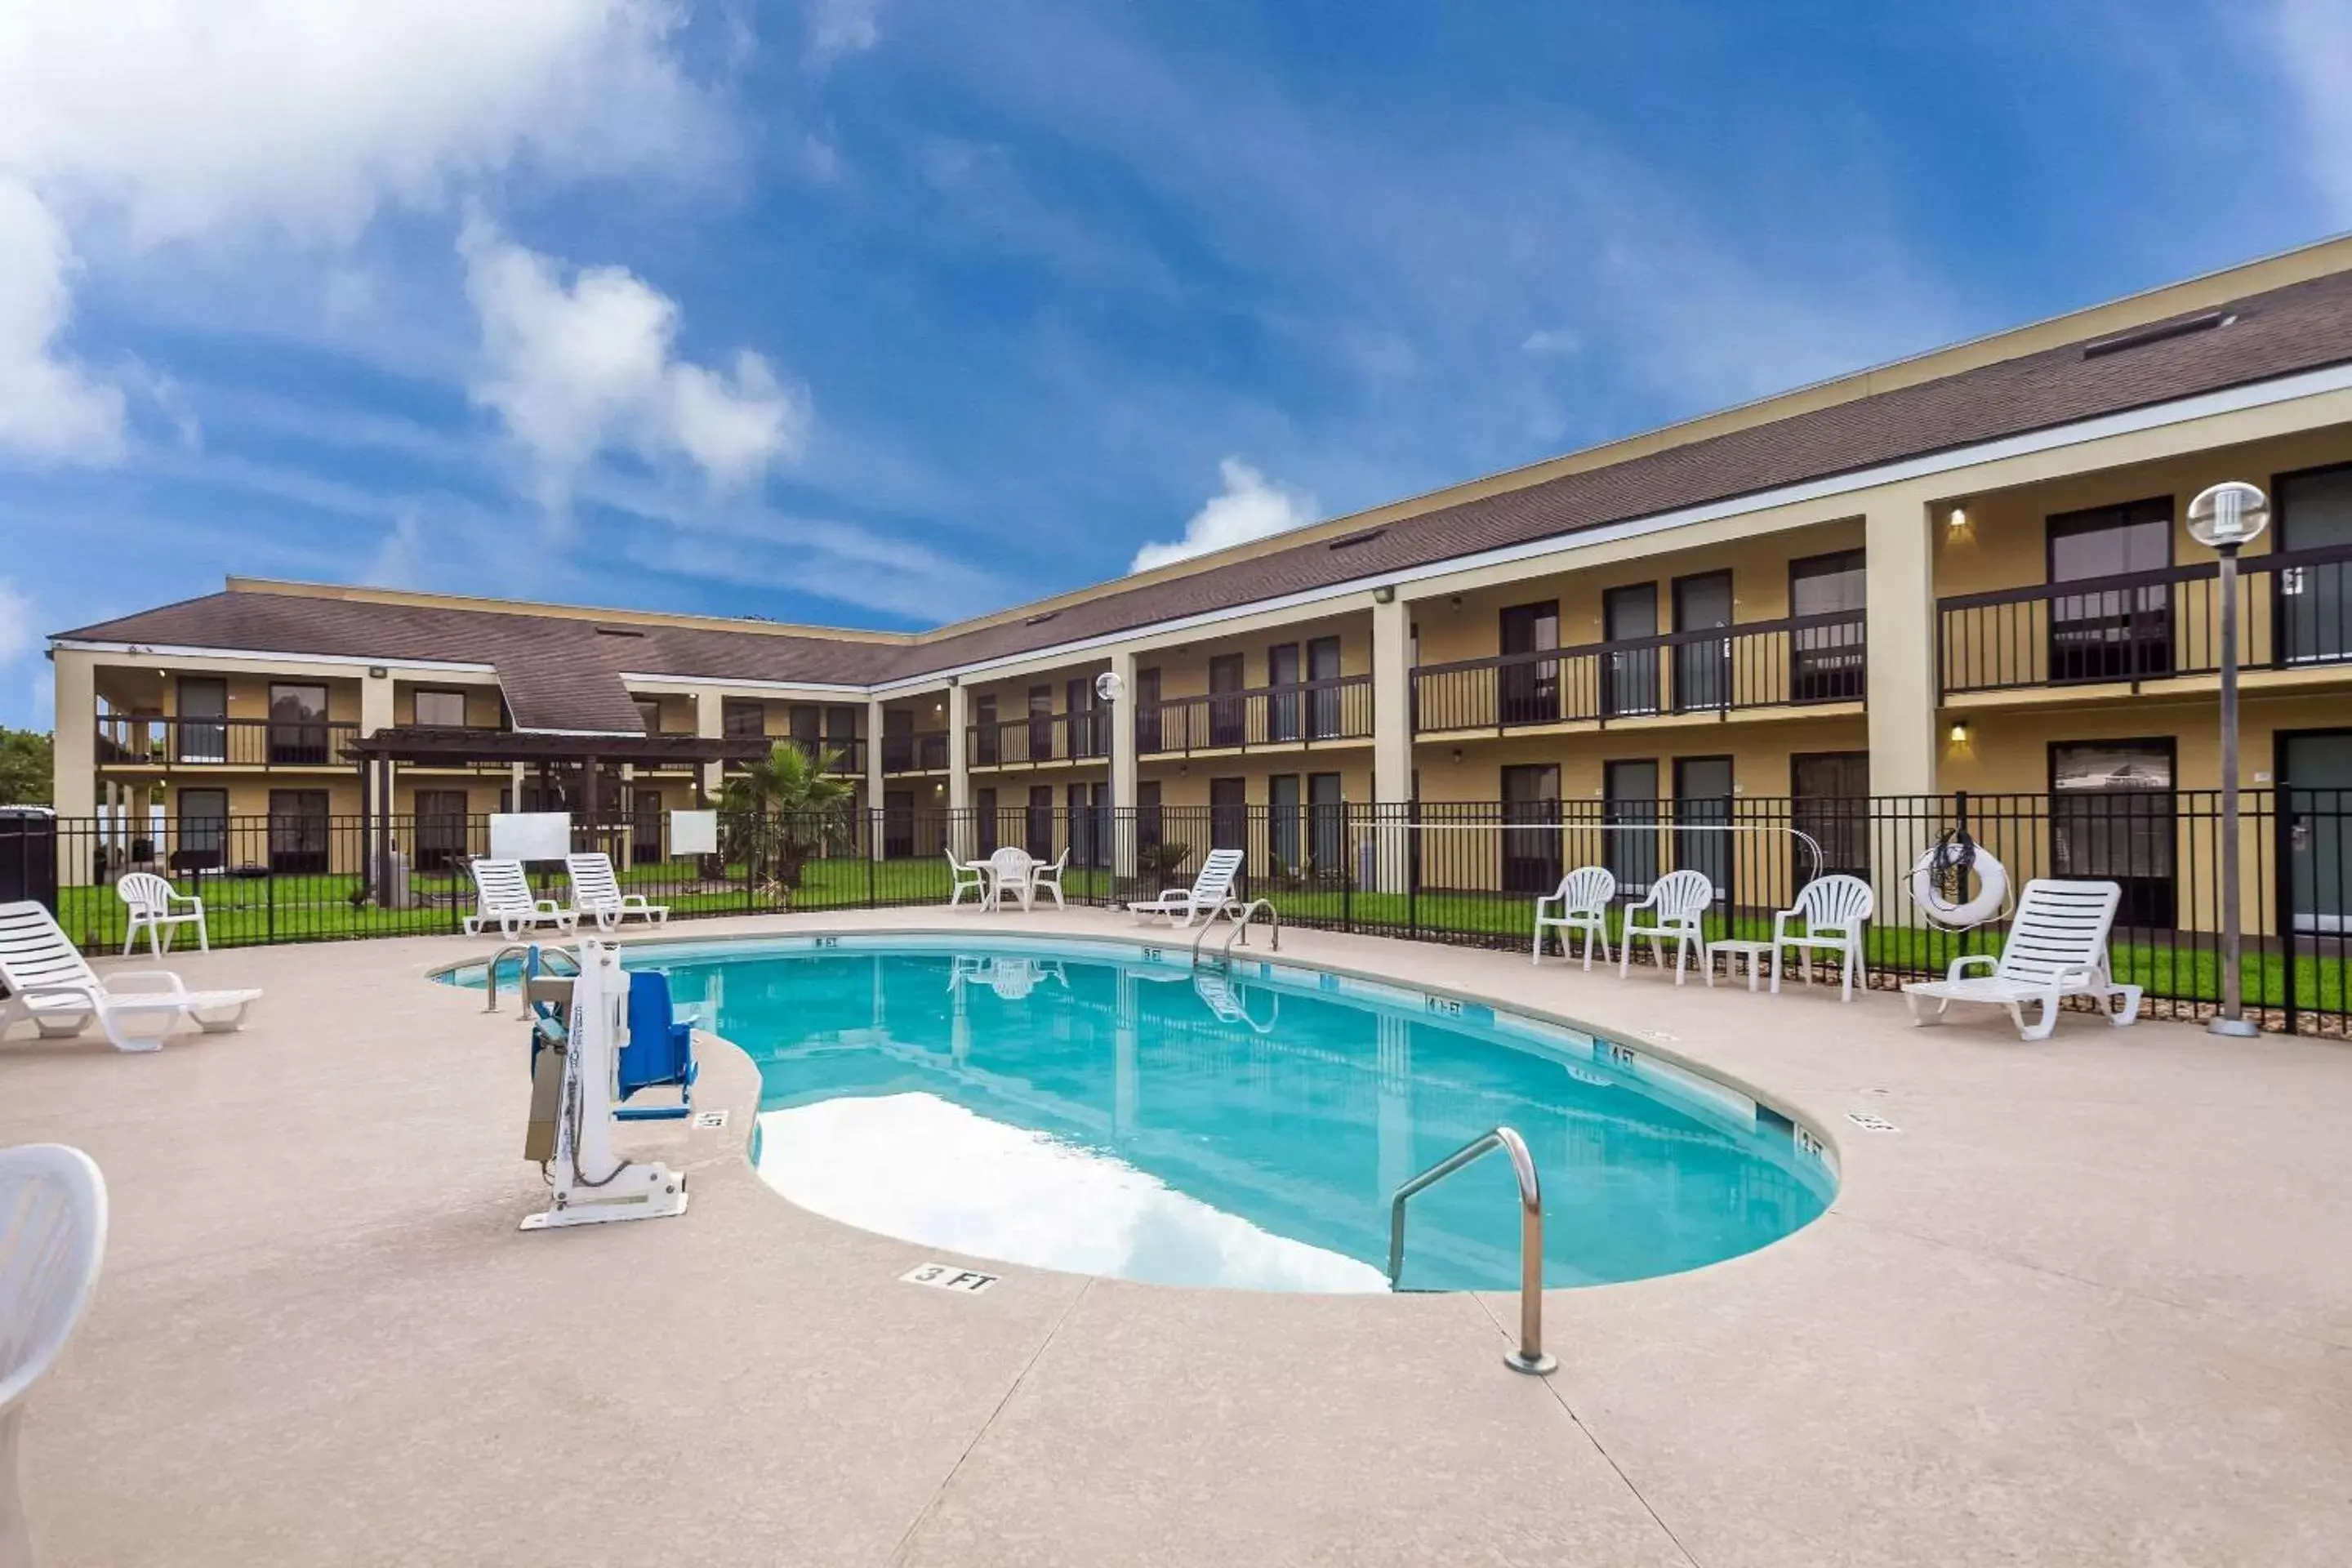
1211 894
967 876
1047 878
596 893
2057 948
502 897
156 907
50 983
1828 917
52 1245
1678 907
1583 899
1009 871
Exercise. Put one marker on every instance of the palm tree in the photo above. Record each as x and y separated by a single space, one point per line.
779 810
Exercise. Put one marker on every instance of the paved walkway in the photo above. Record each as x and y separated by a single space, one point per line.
2090 1303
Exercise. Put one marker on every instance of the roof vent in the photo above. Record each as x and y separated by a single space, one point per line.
2157 332
604 631
1041 620
1350 542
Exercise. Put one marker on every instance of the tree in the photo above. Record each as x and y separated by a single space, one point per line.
781 810
27 766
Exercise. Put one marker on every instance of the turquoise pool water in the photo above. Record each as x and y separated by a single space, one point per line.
1117 1117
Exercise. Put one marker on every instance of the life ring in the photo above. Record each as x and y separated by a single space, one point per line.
1992 892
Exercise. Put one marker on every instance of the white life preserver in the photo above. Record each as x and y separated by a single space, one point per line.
1992 893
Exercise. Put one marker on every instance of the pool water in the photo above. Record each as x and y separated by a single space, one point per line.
1135 1120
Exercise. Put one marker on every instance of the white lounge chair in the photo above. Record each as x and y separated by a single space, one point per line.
502 897
1677 906
1009 870
1583 900
967 876
50 983
52 1244
1045 877
1211 894
2057 947
596 894
1829 917
156 907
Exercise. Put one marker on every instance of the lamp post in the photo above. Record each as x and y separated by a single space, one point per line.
2225 519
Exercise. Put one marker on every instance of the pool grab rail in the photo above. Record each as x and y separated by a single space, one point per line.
517 951
1239 932
1529 1357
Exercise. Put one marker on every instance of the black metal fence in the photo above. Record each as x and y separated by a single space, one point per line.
1456 872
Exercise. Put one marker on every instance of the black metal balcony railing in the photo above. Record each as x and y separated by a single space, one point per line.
1760 664
918 754
1039 737
1310 713
2294 610
126 741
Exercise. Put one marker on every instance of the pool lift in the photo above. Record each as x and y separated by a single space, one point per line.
596 1039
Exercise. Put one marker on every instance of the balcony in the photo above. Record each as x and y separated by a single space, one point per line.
926 752
2294 612
1040 737
1313 713
1801 661
848 762
264 744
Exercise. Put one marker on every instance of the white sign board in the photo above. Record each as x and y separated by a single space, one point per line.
948 1276
531 834
694 833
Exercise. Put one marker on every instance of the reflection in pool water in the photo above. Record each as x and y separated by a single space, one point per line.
1135 1120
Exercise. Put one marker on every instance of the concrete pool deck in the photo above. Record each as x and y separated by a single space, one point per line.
2090 1303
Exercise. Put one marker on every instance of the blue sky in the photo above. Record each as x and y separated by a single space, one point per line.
886 311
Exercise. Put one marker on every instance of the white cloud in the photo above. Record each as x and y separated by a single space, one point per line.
1552 341
2312 40
50 407
16 633
838 28
1250 507
576 368
135 123
399 561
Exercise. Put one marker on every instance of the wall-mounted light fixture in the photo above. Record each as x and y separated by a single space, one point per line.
1959 732
955 680
1958 517
1457 753
1384 594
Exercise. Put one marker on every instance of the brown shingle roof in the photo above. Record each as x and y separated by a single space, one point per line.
2302 326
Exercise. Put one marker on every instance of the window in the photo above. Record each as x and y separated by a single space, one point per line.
742 718
1702 812
1228 814
1041 725
1282 823
1825 661
1703 669
841 735
1227 716
204 831
984 803
1149 736
1630 676
1281 671
447 711
649 712
297 830
440 827
298 724
1041 821
1829 800
1323 716
1630 810
807 724
203 719
1528 691
1530 828
2112 819
2115 633
1147 835
2312 603
1327 826
991 746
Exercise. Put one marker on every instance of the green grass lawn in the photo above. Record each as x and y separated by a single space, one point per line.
306 908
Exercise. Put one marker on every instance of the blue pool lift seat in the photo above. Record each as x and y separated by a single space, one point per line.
658 1053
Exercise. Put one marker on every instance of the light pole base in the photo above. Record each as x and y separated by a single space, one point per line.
2233 1029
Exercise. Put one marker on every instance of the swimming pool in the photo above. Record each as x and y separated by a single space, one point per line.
1102 1108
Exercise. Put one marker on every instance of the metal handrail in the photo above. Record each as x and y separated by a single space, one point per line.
1239 930
1529 1357
515 950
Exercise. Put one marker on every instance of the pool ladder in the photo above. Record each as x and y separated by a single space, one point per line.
1239 932
1529 1357
517 951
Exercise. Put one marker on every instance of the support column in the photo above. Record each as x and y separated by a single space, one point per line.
1392 739
710 724
1900 636
961 836
873 778
73 780
1126 760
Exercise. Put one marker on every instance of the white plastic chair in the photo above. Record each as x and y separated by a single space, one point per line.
596 893
1211 894
1583 899
1009 871
51 984
1677 906
2057 948
52 1245
1829 917
503 899
1047 878
156 907
966 877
